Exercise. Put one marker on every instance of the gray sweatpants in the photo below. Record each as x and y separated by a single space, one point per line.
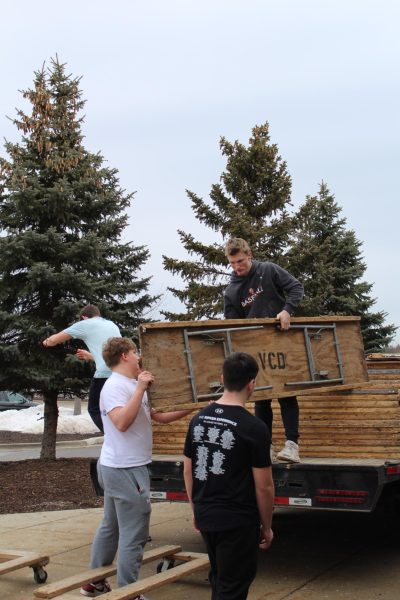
125 525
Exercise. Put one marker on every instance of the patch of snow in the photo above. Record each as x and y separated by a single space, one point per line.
30 420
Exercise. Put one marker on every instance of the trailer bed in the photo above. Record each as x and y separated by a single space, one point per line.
340 484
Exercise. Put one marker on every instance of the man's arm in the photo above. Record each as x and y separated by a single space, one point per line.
55 339
264 486
188 477
168 417
230 310
294 292
292 288
123 416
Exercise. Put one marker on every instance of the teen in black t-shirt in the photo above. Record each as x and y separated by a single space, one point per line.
229 482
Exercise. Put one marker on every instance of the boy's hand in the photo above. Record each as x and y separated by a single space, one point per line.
145 379
266 539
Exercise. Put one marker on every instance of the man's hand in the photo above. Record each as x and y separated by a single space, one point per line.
55 339
284 318
145 379
83 354
266 538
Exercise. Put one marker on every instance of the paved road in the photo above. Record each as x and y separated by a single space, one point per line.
11 454
315 556
14 452
324 556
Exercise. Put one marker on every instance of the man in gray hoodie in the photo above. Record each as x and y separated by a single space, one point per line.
263 289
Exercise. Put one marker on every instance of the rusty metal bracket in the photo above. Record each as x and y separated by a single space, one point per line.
315 332
209 338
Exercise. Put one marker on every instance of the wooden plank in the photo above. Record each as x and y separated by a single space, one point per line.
128 592
306 407
11 560
185 556
92 575
349 399
207 324
385 357
352 426
354 395
323 453
359 442
383 377
74 581
384 372
364 415
364 386
354 447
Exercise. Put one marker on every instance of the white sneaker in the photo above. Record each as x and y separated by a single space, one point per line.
289 453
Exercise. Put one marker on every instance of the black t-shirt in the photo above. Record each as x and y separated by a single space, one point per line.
224 442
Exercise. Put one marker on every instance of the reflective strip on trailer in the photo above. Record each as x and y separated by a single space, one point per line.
158 495
285 501
179 496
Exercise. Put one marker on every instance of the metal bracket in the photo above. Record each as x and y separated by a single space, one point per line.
310 332
210 339
315 332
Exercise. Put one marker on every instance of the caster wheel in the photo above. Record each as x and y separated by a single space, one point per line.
165 565
39 574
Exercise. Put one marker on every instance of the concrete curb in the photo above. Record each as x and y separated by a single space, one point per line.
65 444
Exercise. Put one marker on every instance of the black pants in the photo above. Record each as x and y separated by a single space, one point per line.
289 412
94 402
233 561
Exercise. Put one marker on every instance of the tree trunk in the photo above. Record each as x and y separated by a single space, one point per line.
77 406
48 450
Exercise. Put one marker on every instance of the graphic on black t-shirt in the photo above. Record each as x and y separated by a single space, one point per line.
224 443
208 460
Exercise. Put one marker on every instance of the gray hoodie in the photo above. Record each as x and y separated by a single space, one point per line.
264 292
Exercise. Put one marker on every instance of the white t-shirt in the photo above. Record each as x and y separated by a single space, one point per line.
95 332
130 448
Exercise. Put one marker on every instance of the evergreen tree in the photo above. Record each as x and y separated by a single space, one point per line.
326 257
62 213
250 202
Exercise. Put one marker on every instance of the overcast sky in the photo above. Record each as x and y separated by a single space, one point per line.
164 79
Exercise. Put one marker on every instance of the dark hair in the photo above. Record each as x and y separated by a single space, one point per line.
239 369
90 311
114 347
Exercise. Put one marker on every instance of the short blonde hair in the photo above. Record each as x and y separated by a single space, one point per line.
236 245
114 347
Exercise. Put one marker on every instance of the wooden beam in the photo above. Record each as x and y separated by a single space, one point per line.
11 560
128 592
92 575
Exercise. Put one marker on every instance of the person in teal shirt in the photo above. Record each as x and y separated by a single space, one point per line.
94 331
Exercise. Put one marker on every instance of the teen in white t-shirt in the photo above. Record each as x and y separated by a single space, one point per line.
122 467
